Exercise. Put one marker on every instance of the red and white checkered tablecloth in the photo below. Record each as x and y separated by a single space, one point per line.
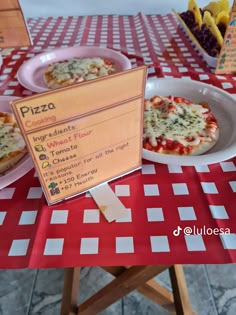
159 198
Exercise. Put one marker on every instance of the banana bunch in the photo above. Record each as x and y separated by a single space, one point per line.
208 24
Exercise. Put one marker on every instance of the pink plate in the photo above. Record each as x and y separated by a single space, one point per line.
30 74
25 164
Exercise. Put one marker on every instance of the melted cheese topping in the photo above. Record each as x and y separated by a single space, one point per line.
10 139
80 69
181 122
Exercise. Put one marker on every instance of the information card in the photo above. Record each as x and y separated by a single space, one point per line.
13 28
86 134
227 58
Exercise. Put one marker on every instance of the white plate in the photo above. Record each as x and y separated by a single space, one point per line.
30 74
223 106
25 164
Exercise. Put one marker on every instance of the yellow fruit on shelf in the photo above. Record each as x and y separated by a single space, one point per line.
210 23
222 18
224 6
193 7
216 7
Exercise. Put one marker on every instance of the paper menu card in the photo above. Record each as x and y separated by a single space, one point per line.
13 28
85 134
226 62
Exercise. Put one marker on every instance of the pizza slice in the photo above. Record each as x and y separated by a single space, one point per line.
174 125
75 70
12 144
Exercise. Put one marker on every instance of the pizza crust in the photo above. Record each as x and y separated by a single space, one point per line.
9 162
12 145
207 146
198 150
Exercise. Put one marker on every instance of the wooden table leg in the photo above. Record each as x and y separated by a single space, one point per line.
180 291
151 290
157 294
69 303
128 281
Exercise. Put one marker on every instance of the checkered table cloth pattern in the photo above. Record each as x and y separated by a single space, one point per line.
161 200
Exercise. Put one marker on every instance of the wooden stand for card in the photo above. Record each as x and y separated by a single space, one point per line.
127 279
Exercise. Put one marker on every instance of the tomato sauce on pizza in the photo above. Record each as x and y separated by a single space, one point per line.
175 125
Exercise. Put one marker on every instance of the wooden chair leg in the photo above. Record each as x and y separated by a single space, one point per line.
69 305
128 281
151 290
180 291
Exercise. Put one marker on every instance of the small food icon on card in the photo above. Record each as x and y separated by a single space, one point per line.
43 157
53 188
39 148
45 164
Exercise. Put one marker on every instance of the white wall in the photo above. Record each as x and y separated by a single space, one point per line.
40 8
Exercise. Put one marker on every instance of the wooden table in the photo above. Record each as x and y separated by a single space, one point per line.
159 198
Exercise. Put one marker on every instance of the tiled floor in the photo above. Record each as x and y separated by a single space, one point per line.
212 290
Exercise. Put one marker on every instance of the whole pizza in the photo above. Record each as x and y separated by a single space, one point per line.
174 125
75 70
12 144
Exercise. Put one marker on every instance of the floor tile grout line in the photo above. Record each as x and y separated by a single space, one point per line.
122 306
32 292
209 287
